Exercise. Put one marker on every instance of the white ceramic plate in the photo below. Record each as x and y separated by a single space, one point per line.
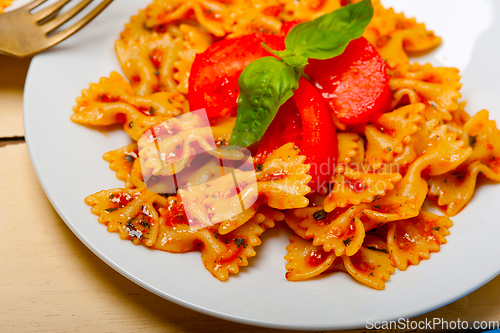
67 159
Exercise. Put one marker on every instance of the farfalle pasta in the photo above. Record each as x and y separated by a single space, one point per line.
112 101
395 36
409 241
160 61
122 160
371 265
455 188
180 170
221 254
352 187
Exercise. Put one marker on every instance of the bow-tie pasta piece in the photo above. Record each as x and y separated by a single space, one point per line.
391 133
438 87
456 188
307 10
282 178
355 186
402 123
116 89
394 35
241 240
128 212
162 12
111 101
348 145
178 140
161 59
136 27
484 138
340 231
441 152
136 179
221 254
294 222
238 220
359 157
306 261
456 125
410 241
380 232
219 201
219 18
255 20
389 208
343 229
122 161
372 264
379 147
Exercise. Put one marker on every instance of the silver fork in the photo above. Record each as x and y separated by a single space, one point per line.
23 33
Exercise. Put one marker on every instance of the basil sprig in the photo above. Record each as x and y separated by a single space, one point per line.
270 84
267 83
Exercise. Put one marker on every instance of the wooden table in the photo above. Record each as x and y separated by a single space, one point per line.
50 282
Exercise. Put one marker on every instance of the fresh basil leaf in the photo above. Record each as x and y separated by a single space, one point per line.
296 61
265 85
327 36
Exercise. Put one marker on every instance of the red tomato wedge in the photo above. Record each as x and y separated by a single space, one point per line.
286 127
354 84
287 26
213 81
306 121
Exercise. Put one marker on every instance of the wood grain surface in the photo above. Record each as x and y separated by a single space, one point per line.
50 282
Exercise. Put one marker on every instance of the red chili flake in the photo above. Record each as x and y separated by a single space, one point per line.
156 57
135 79
317 257
272 11
108 99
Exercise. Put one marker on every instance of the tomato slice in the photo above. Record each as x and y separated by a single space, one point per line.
287 26
354 84
286 127
305 120
213 81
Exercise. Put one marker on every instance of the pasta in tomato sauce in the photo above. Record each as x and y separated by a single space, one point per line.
368 221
